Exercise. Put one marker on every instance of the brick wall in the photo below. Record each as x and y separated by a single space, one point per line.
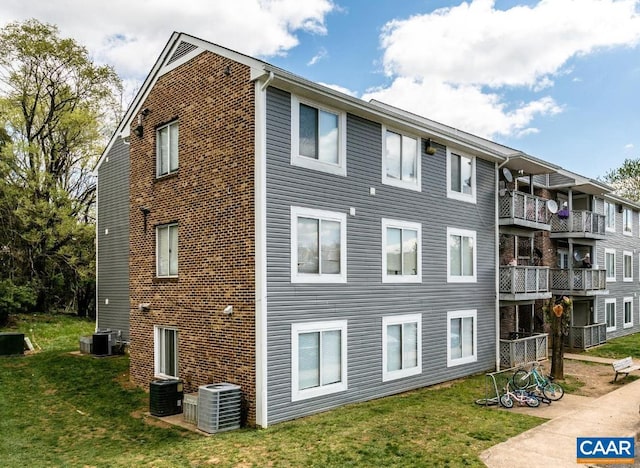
212 199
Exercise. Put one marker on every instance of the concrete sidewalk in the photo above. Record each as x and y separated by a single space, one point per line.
553 443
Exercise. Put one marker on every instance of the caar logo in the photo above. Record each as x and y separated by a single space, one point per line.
613 450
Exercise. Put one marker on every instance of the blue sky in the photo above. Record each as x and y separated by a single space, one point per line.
558 79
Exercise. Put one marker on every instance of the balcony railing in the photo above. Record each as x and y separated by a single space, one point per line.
587 336
523 349
525 210
524 283
579 223
579 281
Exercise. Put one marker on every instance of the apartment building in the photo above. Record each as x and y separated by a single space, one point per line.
317 250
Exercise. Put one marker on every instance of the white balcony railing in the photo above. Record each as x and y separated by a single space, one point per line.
524 207
524 279
578 280
579 222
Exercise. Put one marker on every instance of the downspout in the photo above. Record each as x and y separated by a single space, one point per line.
497 262
260 194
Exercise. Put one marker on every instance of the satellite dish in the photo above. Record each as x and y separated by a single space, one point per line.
508 176
576 255
552 206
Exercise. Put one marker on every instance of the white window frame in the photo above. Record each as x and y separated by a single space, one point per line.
627 213
303 161
627 255
464 233
471 198
169 227
318 327
625 301
401 320
158 355
611 276
393 223
169 146
606 302
457 314
610 213
562 258
417 185
296 277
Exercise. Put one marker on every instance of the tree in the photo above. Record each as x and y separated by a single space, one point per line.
625 180
558 315
53 103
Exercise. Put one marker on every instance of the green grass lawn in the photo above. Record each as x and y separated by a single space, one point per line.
59 409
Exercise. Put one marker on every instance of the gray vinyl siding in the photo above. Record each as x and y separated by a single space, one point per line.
364 299
620 289
113 248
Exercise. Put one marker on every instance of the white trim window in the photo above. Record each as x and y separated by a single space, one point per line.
318 137
401 251
461 176
610 314
318 246
627 222
318 359
562 258
401 346
401 160
627 320
462 332
610 264
167 251
461 256
165 352
627 266
167 149
610 213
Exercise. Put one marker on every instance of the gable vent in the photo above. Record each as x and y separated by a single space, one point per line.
183 49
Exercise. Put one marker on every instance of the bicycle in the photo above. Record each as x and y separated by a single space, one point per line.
524 379
523 397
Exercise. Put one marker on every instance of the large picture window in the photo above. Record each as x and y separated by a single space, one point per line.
461 337
317 137
167 251
319 358
461 256
402 346
401 161
318 246
401 251
166 352
461 176
167 149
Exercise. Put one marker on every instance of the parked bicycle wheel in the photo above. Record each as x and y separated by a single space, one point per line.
506 401
532 401
521 379
553 391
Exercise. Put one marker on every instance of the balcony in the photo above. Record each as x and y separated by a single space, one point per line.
579 224
525 210
524 348
579 282
524 283
587 336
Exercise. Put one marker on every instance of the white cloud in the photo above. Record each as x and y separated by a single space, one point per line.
322 53
463 106
629 147
339 88
460 57
130 34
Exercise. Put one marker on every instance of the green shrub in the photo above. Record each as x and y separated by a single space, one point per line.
15 299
